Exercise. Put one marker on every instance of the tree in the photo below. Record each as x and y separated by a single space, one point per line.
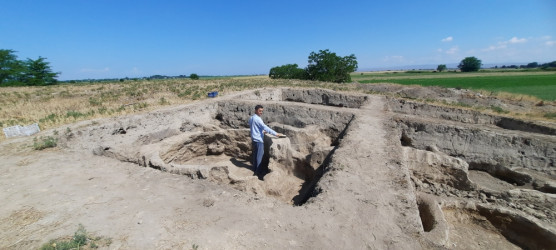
441 67
549 65
288 71
533 65
38 72
29 72
194 76
11 69
470 64
327 66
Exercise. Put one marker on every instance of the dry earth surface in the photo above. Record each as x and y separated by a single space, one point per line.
354 172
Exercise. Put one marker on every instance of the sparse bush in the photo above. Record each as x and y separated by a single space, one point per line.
74 114
80 239
499 110
551 115
194 76
163 101
141 105
44 142
95 101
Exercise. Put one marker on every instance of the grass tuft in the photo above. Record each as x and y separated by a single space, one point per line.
551 115
44 142
80 240
499 110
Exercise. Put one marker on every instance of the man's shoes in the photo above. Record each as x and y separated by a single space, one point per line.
260 176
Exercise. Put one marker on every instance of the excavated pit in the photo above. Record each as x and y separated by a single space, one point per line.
291 164
213 142
473 175
506 179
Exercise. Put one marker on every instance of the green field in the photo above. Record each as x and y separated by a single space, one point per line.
538 84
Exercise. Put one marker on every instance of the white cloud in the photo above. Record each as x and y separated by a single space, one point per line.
496 47
550 43
517 40
504 44
452 50
447 39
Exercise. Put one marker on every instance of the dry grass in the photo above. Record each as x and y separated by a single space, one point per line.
53 106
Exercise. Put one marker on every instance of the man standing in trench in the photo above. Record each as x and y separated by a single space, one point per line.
258 129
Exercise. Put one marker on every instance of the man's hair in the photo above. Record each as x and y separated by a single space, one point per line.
258 107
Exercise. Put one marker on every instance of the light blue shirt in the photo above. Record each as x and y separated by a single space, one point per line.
257 127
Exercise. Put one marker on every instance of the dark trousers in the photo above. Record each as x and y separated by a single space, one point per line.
258 151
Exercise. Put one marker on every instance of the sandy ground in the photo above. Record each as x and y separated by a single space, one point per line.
367 200
46 194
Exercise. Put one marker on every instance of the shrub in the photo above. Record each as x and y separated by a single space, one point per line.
44 142
499 110
550 115
80 240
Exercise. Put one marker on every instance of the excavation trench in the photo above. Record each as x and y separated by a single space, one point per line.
450 155
456 161
291 165
213 143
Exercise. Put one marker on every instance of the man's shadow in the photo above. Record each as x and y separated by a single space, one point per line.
241 163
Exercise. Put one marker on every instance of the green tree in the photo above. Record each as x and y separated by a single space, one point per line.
533 65
11 69
441 67
38 72
327 66
194 76
470 64
288 71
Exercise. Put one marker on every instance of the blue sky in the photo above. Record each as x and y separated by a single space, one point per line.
120 38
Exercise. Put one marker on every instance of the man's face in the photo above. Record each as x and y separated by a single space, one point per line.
259 112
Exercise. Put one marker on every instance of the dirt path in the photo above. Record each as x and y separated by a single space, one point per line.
365 177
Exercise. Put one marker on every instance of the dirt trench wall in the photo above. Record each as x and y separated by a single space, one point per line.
482 147
324 97
309 96
403 106
235 114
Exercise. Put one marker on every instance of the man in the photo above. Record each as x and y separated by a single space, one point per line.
258 129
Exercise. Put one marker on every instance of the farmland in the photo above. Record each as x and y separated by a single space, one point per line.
534 83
